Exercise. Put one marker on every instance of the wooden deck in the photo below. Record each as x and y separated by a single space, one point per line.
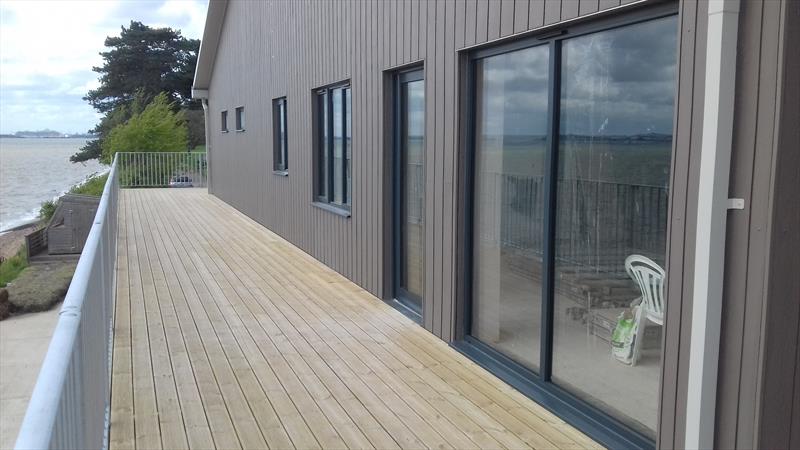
227 336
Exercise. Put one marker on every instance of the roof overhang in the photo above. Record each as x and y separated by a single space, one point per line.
208 47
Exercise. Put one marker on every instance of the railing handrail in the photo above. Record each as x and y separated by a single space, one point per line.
160 169
38 426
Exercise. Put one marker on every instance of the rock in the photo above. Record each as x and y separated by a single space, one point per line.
40 286
5 306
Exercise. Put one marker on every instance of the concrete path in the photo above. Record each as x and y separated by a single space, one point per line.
23 345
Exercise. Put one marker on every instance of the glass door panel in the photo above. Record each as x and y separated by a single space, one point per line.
616 112
511 102
411 190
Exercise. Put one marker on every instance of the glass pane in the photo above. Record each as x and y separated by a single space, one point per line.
348 142
413 187
510 138
322 182
617 100
338 146
284 142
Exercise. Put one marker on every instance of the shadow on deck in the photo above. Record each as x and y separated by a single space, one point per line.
228 336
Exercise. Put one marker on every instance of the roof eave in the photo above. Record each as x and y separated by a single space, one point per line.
208 47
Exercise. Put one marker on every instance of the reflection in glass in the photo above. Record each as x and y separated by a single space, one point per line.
324 146
510 137
412 204
338 146
348 143
617 97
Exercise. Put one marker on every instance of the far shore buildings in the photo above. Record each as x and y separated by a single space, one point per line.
596 201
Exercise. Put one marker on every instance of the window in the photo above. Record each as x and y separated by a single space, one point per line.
223 120
568 212
240 118
333 149
280 144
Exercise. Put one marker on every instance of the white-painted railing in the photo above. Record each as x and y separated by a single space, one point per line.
71 401
158 169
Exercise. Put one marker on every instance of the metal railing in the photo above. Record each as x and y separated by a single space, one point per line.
598 223
70 404
158 169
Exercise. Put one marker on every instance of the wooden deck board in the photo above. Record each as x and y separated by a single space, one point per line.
227 336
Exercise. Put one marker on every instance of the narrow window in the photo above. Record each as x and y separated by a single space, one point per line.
334 145
280 150
223 119
240 118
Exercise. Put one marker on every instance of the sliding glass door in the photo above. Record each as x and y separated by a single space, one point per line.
510 138
570 170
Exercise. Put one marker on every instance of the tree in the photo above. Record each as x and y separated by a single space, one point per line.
141 63
158 128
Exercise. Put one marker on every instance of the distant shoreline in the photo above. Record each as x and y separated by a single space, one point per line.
67 136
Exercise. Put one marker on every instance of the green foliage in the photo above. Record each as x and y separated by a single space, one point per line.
93 185
47 210
11 267
141 63
156 129
152 60
196 122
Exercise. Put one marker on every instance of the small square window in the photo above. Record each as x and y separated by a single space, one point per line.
223 118
240 118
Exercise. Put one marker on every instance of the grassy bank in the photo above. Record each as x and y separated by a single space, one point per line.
11 268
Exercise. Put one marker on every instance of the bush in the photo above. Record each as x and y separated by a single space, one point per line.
93 185
47 210
156 129
11 267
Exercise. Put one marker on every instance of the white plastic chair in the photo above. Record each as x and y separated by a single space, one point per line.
650 277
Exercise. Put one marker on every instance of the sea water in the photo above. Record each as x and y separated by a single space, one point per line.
33 170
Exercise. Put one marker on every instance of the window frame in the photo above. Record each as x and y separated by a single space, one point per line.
280 126
223 118
597 423
323 161
239 118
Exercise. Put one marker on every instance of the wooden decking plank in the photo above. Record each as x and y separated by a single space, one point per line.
451 434
532 438
239 390
324 410
257 330
554 437
195 423
409 414
211 291
170 416
122 434
147 427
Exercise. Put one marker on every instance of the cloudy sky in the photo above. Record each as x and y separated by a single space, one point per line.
48 49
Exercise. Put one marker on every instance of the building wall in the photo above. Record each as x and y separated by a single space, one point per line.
274 49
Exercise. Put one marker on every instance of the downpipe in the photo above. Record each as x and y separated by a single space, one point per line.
712 211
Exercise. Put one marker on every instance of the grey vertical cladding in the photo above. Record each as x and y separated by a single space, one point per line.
275 48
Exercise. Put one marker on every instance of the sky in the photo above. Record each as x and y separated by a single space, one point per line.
48 49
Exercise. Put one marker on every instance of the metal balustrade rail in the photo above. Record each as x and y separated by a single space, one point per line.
159 169
70 404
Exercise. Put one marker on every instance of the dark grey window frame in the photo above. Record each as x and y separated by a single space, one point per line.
239 118
280 126
223 118
324 113
404 299
596 423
